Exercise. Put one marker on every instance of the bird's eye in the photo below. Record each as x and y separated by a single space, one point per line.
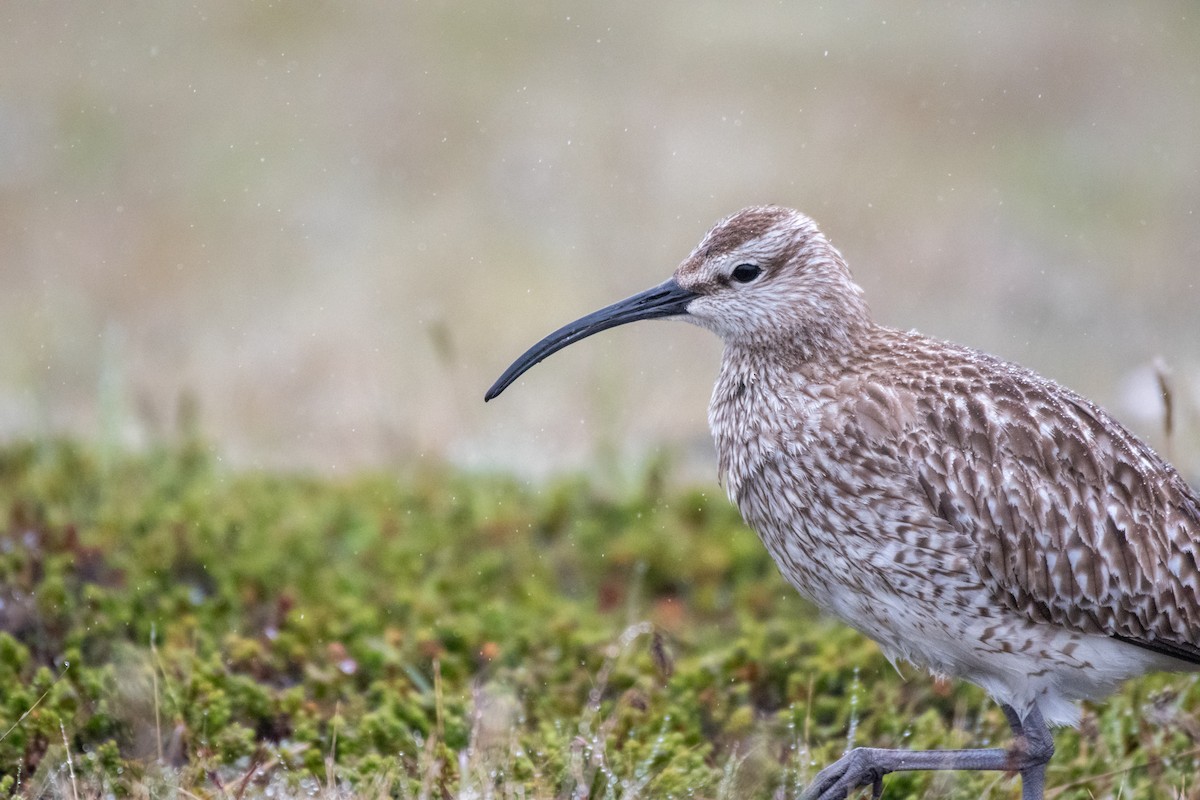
744 273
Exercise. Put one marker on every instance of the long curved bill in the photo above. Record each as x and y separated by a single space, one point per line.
668 299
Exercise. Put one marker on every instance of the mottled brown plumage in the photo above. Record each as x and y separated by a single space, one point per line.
967 514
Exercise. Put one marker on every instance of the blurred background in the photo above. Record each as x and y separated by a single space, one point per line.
321 230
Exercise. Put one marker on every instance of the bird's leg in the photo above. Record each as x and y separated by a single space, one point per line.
1036 745
866 766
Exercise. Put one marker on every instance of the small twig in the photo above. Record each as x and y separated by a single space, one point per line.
662 658
29 711
158 738
431 767
257 762
437 699
431 764
216 780
729 773
70 764
331 759
1163 373
808 710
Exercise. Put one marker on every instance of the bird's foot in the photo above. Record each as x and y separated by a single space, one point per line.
852 771
866 766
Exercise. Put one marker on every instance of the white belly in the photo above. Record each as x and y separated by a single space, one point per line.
961 632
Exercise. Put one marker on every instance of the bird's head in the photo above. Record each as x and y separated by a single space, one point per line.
767 277
764 278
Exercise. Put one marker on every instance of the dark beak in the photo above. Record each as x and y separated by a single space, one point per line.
667 299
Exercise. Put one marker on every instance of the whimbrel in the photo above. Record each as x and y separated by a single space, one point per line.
970 516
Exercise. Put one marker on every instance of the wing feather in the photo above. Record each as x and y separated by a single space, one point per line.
1077 521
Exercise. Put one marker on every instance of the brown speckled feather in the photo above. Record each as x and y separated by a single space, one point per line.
1076 521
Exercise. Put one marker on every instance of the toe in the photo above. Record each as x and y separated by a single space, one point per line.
851 771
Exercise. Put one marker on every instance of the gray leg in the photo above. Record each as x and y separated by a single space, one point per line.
866 766
1034 737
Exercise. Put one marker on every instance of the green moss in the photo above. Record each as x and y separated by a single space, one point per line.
456 633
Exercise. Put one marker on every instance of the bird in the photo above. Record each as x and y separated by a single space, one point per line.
970 516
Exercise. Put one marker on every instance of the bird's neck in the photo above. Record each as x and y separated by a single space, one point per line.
811 351
764 389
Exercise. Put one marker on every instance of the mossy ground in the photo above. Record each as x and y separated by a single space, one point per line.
169 628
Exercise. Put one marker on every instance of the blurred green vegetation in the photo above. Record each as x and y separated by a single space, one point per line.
168 625
290 211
